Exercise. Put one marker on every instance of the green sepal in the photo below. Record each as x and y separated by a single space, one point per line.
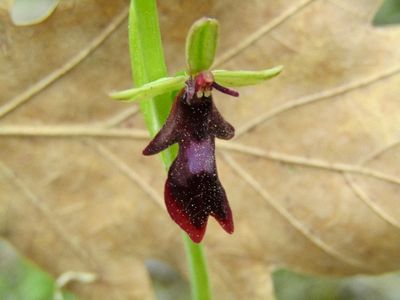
201 45
243 78
152 89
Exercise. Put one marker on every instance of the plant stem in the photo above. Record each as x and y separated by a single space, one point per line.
148 64
200 286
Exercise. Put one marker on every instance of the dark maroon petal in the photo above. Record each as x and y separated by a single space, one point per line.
225 90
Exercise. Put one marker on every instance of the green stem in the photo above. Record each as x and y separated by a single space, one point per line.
199 283
148 64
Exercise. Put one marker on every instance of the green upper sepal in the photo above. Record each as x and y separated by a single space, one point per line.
152 89
201 45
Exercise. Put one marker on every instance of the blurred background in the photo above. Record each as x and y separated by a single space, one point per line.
312 175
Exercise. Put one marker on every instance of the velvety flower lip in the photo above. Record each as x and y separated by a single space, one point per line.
193 191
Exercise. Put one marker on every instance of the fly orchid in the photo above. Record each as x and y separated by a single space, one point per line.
192 190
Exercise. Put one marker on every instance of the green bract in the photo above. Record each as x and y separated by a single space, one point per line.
148 65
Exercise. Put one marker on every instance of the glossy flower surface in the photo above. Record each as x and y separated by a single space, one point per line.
193 191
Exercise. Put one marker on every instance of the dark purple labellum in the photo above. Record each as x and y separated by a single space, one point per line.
193 191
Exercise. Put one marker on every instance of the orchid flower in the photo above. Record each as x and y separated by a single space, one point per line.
192 190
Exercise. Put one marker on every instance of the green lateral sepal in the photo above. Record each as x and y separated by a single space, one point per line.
151 89
244 78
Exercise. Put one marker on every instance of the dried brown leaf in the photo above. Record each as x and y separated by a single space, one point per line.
312 176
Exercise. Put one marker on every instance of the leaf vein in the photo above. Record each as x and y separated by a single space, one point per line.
40 85
294 222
